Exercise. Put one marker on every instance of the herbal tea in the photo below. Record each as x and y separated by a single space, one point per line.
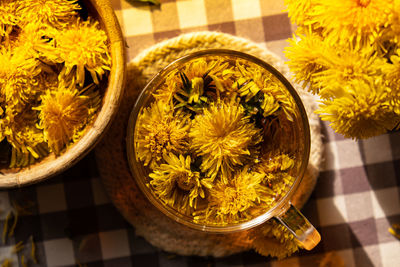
219 140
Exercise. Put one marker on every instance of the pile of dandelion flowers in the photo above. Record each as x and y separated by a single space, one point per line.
224 137
62 112
357 20
361 111
233 201
83 45
160 131
176 184
57 13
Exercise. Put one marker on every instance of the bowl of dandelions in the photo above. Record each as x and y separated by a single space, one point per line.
218 140
61 81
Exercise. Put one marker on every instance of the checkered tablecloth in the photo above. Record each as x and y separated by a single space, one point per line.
354 203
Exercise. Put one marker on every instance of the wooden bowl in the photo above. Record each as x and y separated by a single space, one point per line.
52 165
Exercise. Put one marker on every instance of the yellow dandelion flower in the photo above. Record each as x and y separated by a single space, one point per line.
17 77
298 10
390 34
361 110
56 13
176 184
167 91
261 89
275 163
237 200
198 67
63 111
282 97
32 39
159 132
306 54
25 138
199 82
224 136
83 45
277 172
8 18
273 239
249 79
357 20
279 182
347 65
391 72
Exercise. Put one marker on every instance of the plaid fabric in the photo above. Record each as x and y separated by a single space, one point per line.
356 199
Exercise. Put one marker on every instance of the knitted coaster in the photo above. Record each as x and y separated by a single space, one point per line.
155 227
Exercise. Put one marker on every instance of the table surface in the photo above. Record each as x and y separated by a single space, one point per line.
355 201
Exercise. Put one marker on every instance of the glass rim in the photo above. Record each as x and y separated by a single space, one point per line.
281 204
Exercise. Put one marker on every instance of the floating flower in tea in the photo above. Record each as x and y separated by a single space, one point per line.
224 138
162 131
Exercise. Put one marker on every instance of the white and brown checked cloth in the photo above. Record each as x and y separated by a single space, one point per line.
356 199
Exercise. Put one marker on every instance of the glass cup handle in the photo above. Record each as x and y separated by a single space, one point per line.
300 227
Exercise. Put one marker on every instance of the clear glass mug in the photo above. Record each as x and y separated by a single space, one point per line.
282 210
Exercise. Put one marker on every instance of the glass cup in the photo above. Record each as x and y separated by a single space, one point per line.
297 139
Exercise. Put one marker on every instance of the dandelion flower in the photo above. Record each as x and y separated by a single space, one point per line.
83 45
273 239
198 67
63 112
32 39
360 111
261 86
159 132
305 56
357 20
56 13
234 201
276 163
198 83
17 73
277 172
25 138
298 10
347 65
224 137
8 18
176 184
391 72
390 34
249 79
167 91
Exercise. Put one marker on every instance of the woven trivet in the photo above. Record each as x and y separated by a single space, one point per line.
150 223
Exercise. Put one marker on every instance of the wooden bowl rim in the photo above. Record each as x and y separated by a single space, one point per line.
52 165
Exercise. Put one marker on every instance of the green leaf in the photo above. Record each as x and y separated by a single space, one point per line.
152 2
